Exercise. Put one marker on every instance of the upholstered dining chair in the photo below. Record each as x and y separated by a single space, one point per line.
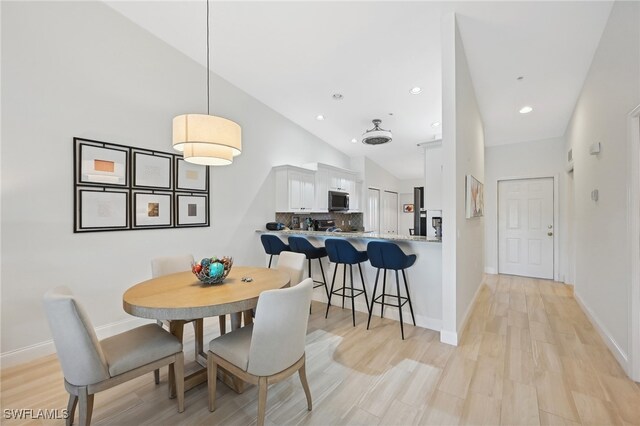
90 366
269 350
293 264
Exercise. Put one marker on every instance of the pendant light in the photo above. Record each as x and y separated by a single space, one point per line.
204 138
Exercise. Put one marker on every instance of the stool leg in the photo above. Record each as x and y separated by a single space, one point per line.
404 277
324 280
364 289
344 281
335 269
399 305
373 298
353 303
270 259
384 290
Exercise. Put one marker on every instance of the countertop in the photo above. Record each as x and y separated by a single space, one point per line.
355 235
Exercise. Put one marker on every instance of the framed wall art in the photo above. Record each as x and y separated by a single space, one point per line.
119 187
474 200
407 208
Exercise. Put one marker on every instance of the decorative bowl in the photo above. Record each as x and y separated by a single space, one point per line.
212 270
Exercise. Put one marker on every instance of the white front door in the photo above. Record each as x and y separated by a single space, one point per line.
525 227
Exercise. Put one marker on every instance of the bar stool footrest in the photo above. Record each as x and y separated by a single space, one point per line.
355 292
402 298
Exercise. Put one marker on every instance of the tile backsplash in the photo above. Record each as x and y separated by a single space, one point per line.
345 221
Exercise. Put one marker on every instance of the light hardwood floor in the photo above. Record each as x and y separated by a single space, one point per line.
529 356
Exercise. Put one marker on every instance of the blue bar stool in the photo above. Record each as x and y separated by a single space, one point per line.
386 255
273 246
302 245
342 252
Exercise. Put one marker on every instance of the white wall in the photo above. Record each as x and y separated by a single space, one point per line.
610 92
462 154
81 69
545 158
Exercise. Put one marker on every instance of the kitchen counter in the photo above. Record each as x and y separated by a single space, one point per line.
355 235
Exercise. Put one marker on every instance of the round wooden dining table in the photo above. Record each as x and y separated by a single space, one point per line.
181 297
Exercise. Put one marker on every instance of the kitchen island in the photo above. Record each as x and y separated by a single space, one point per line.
424 277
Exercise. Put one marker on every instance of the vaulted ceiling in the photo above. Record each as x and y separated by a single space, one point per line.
293 56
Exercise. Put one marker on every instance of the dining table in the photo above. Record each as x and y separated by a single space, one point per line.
182 297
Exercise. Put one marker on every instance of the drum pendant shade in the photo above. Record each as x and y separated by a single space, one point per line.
203 129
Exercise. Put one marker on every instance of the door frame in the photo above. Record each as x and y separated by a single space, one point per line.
633 225
557 232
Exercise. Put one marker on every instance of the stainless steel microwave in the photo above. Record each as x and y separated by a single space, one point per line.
338 201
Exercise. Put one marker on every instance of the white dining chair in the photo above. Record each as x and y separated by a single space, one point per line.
293 264
90 366
269 350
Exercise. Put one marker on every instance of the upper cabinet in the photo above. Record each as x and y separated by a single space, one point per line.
295 189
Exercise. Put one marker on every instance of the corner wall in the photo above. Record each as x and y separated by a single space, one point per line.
81 69
463 154
601 235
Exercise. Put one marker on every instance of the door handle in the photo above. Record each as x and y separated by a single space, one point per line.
550 233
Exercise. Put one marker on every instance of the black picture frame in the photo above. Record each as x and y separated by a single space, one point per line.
110 163
182 176
192 210
146 164
142 202
95 206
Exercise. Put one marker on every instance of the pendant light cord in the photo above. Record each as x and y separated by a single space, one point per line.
208 77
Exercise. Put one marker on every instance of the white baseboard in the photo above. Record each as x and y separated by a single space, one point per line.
449 337
490 270
391 313
31 352
453 337
611 343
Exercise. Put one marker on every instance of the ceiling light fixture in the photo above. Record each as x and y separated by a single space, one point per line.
354 140
376 136
319 117
435 124
526 109
416 90
207 139
337 96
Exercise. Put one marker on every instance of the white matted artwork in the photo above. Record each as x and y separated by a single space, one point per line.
474 200
191 177
152 209
103 209
151 170
192 210
103 165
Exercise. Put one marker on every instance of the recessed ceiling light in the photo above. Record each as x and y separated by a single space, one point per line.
354 140
337 96
525 110
435 124
319 117
416 90
520 78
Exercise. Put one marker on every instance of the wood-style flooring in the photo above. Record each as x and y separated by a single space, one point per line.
529 356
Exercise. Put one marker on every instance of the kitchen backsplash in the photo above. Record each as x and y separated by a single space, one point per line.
346 222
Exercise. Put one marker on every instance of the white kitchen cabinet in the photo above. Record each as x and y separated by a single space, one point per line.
355 197
295 189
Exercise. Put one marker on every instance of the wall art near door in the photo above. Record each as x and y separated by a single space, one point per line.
102 209
191 177
152 210
192 210
407 208
152 169
474 199
120 188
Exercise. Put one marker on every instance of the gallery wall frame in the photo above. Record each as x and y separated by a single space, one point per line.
474 197
122 188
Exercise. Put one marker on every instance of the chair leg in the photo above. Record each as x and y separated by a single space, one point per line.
353 299
305 385
373 297
178 375
86 406
364 288
212 376
270 259
399 305
156 376
384 290
324 280
344 281
333 281
177 329
406 287
71 409
262 399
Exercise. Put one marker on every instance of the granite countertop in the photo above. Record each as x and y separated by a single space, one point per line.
359 235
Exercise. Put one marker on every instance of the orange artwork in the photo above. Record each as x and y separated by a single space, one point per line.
104 166
191 175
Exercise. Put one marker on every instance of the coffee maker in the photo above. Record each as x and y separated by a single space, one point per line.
436 222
